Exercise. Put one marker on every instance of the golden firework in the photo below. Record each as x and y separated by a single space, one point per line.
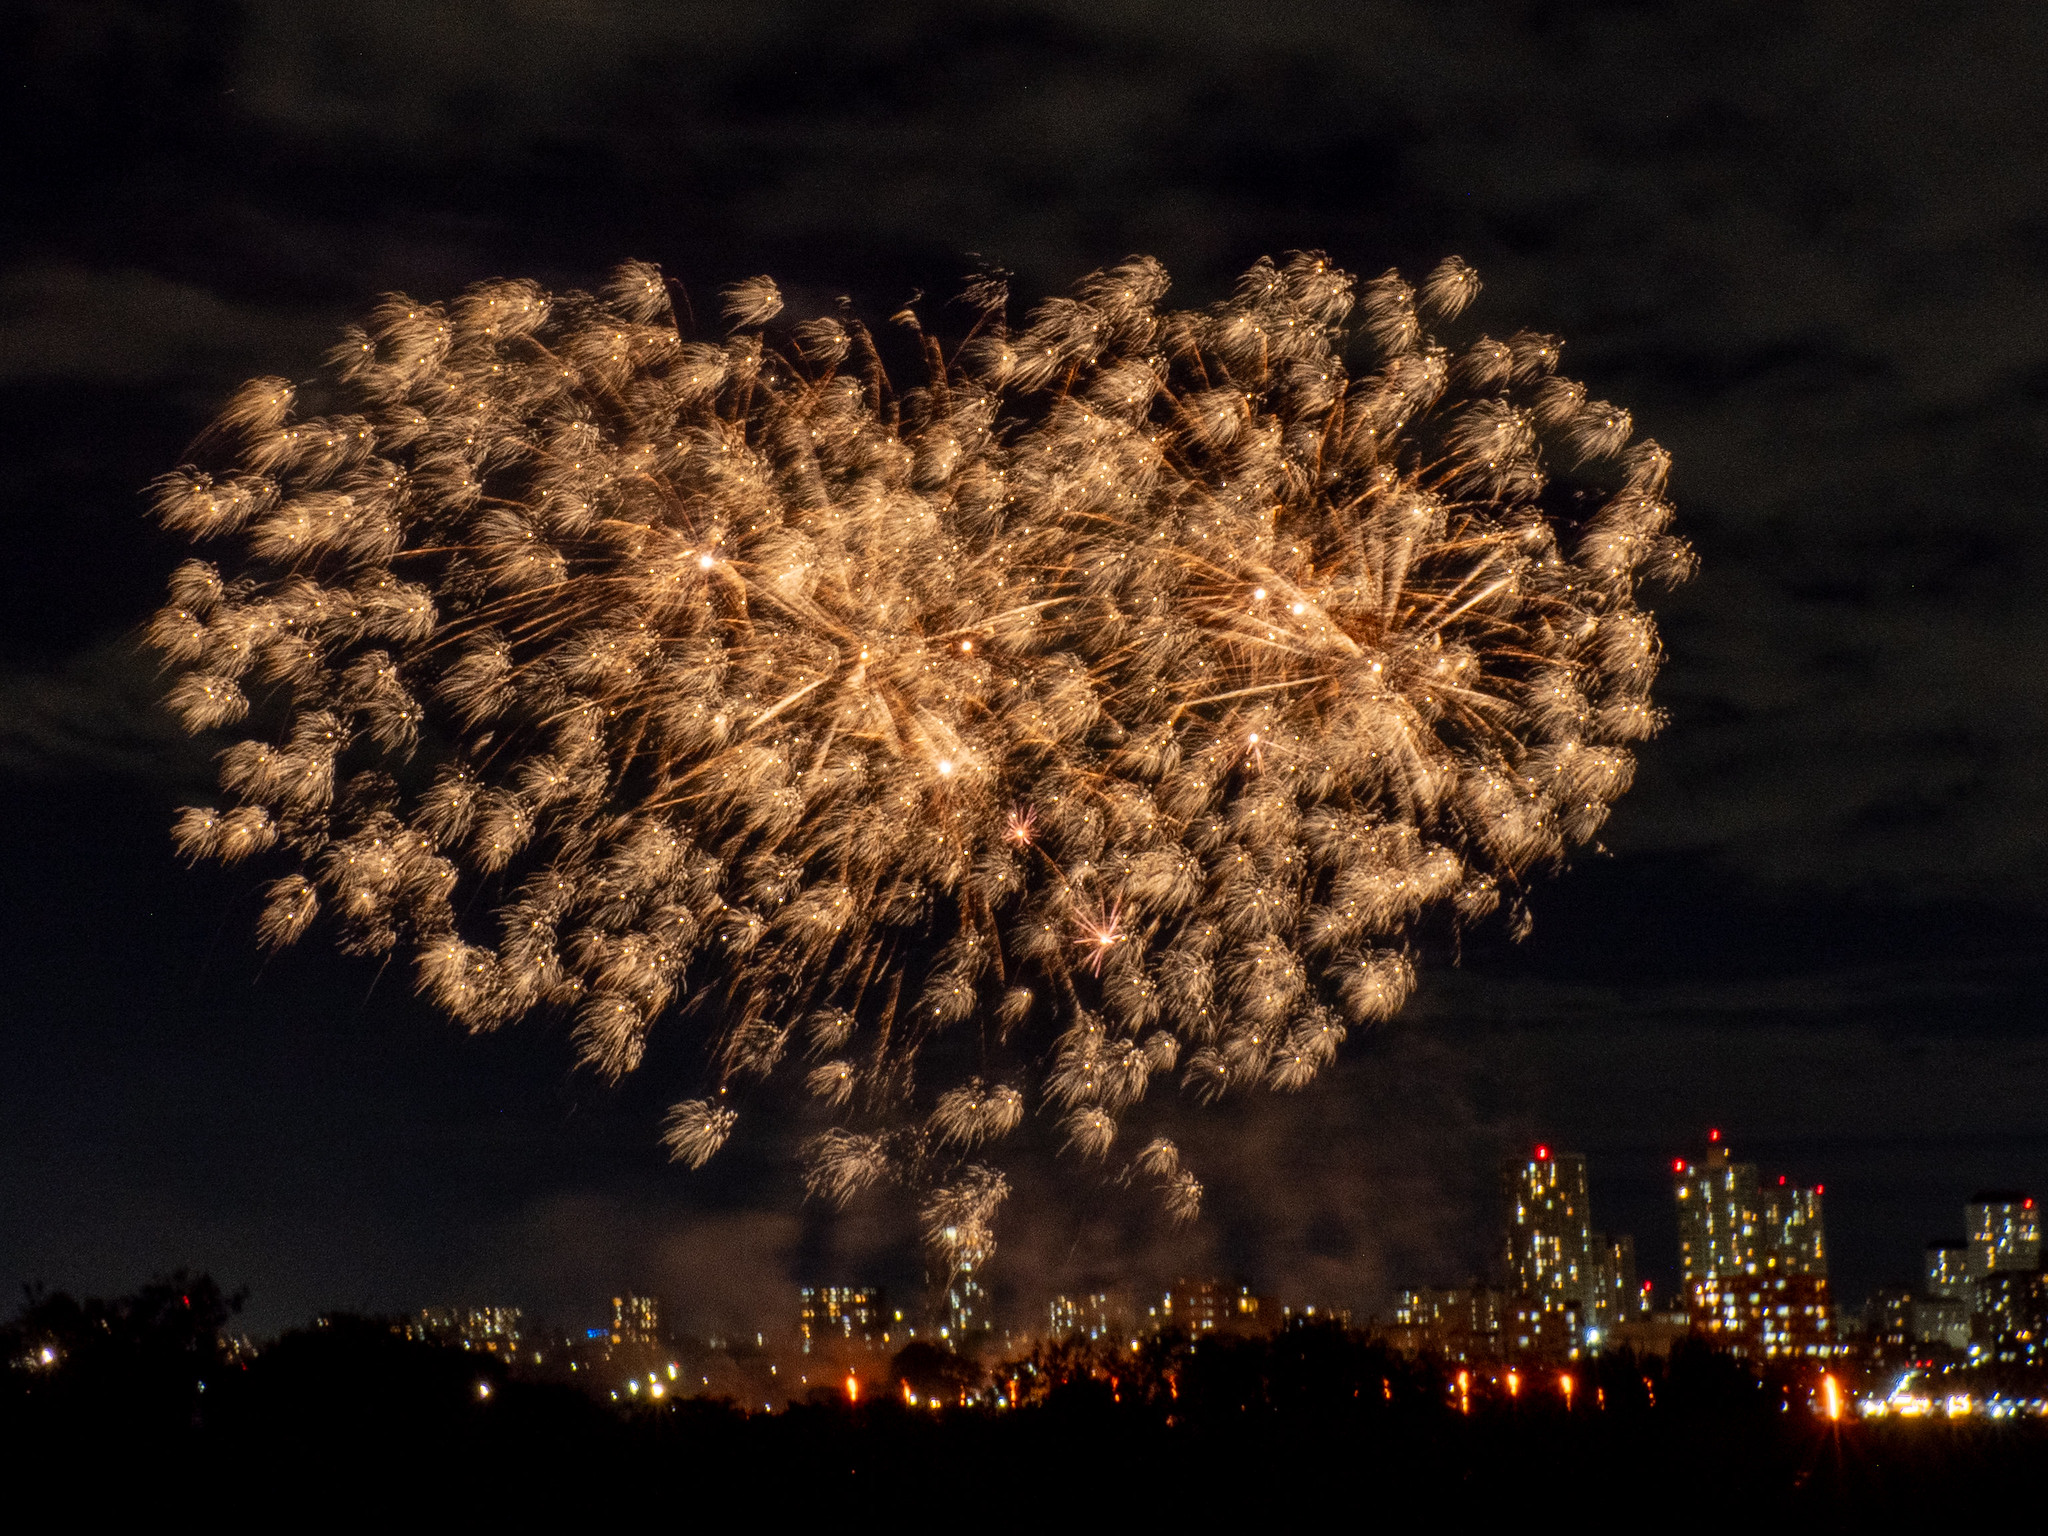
1110 706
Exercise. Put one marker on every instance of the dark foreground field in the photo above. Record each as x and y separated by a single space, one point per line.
140 1404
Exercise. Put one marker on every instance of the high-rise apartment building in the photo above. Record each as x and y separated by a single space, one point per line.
1618 1298
1557 1266
1789 1235
1986 1293
1716 1214
2005 1232
1753 1256
1549 1240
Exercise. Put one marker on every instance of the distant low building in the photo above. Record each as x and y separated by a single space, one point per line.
1946 1271
842 1315
1535 1329
1888 1317
1463 1323
636 1320
1766 1316
1315 1313
1941 1320
1091 1315
488 1330
1649 1333
1211 1306
2011 1325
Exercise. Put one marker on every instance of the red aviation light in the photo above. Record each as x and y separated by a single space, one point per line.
1678 1165
1820 1189
1713 1135
1543 1154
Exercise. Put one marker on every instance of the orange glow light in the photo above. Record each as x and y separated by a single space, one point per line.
1831 1397
852 1387
1565 1383
1514 1384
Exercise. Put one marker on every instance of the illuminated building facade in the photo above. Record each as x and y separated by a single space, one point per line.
1534 1328
1941 1320
1753 1257
1985 1293
489 1330
1789 1233
636 1320
1900 1319
1947 1271
1616 1297
2011 1325
1550 1252
845 1314
1716 1227
1464 1323
1096 1315
2005 1233
1890 1319
1475 1309
1556 1264
1209 1306
959 1305
1765 1315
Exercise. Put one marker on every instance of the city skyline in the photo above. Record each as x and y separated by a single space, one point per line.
1750 1249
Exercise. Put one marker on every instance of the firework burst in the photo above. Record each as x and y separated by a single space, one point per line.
1109 707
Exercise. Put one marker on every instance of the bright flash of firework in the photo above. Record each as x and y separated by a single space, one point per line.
1113 703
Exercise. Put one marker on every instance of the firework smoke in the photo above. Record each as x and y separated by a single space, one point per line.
1110 707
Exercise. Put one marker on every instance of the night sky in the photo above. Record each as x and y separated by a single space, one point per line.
1807 244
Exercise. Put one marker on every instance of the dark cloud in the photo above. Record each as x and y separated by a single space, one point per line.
98 713
137 327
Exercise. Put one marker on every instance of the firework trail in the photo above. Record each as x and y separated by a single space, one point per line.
1110 707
